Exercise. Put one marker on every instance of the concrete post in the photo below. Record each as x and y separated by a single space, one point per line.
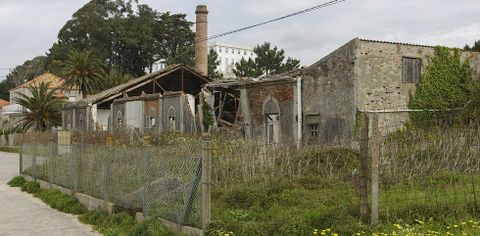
245 106
201 42
363 185
206 180
375 154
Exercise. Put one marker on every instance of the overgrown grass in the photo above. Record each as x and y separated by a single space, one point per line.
279 191
298 207
9 149
121 224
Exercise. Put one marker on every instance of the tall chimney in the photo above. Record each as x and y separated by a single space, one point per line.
201 42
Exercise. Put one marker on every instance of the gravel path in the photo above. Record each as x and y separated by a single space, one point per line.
22 214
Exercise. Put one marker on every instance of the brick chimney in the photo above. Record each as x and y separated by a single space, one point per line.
201 42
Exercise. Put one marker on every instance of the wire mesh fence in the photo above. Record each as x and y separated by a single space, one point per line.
422 173
160 181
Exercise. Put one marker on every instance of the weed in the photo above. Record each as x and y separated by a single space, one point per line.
31 187
17 181
62 202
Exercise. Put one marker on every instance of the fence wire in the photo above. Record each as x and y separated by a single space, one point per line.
160 181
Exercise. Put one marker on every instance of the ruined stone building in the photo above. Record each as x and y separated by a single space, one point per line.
164 100
319 104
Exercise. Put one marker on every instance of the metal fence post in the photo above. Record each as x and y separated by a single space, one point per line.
375 153
34 161
20 159
363 185
206 180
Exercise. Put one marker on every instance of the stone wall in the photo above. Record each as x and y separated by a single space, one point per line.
328 91
378 72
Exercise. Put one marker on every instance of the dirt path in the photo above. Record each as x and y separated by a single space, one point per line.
22 214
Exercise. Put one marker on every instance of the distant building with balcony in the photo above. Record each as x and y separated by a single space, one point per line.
228 55
12 111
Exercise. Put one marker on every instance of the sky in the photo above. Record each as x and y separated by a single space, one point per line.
28 28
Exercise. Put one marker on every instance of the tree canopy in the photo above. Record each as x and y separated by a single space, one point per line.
127 38
21 74
82 71
43 108
474 47
269 61
213 63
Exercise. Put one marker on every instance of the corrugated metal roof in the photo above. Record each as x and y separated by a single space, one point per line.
157 74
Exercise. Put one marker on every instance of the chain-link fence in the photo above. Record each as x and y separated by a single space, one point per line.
158 180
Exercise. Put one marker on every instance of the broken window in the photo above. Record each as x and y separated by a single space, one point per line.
411 70
271 112
152 118
171 119
313 127
119 119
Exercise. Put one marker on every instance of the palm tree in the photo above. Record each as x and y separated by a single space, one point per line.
43 108
83 71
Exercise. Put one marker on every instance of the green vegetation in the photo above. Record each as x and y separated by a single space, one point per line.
124 224
281 191
447 86
17 181
21 74
60 201
213 63
112 225
43 108
9 149
82 70
269 61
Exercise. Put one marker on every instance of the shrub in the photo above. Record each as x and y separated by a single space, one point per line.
31 187
17 181
61 201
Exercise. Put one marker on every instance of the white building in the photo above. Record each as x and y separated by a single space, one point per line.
228 55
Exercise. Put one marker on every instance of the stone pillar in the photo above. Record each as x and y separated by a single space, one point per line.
201 42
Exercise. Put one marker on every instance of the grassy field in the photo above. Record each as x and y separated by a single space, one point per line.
429 184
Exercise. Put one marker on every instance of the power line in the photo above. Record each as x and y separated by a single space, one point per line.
323 5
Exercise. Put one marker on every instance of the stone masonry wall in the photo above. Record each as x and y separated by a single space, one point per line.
378 72
328 90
